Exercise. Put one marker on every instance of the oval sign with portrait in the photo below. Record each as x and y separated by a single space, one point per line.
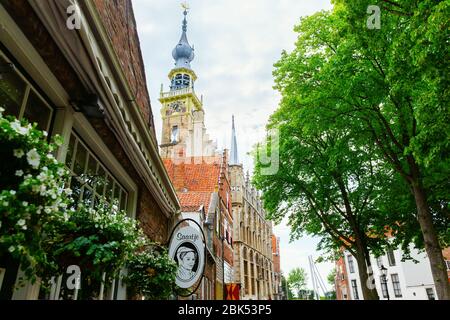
187 249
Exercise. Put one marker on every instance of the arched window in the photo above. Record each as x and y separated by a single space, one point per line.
246 274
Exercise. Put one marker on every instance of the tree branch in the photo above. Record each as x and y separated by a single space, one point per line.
393 3
396 12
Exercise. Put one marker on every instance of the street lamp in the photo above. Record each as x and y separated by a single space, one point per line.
384 273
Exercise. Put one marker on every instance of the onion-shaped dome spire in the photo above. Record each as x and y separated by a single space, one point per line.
183 53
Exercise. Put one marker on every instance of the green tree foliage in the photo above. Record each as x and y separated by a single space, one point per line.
297 279
330 295
328 181
399 88
286 289
151 273
364 130
331 278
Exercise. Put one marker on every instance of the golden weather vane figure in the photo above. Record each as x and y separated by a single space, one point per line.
185 6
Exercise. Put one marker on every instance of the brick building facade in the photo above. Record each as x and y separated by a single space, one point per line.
446 254
204 193
341 280
277 287
87 84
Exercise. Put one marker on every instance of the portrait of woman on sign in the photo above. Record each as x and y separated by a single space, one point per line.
187 260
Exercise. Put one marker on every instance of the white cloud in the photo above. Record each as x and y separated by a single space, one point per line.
236 44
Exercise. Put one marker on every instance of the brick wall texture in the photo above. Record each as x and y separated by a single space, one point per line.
150 216
276 255
118 19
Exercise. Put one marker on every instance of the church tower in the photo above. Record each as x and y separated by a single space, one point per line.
183 129
236 172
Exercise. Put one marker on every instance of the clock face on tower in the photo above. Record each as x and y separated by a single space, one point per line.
176 106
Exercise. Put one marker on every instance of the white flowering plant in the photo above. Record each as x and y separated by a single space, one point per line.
45 230
97 240
151 273
33 199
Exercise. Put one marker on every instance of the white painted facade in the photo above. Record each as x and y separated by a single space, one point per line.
414 279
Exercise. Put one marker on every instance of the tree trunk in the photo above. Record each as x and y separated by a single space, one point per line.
432 247
369 292
371 279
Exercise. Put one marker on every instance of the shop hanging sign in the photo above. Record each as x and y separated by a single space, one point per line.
187 249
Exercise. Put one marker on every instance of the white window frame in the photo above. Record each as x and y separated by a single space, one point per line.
396 285
64 119
92 140
351 264
391 259
99 166
85 131
28 90
355 293
37 69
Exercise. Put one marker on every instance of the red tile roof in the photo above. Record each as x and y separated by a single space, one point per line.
192 176
192 201
194 182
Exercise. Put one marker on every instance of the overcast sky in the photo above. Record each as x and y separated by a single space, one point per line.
236 44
